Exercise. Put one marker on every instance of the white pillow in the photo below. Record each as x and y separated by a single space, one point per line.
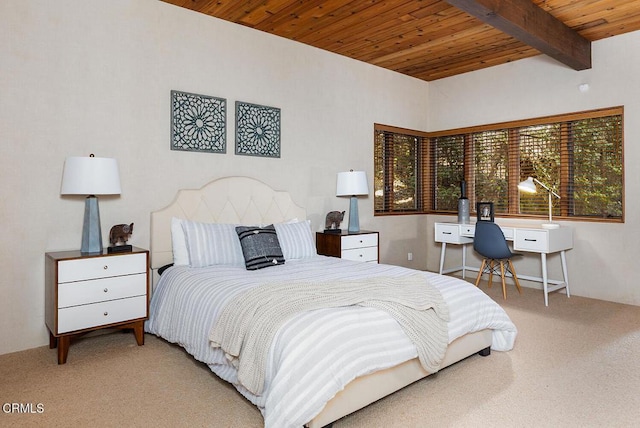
296 240
212 244
179 243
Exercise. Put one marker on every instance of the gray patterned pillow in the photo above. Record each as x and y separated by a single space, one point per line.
260 246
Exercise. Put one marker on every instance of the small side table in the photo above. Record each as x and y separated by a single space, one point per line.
360 246
84 293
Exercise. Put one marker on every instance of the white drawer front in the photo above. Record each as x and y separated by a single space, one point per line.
531 240
97 314
99 290
367 254
468 230
449 233
101 267
508 233
359 241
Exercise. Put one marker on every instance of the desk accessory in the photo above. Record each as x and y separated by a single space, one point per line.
485 211
529 186
463 204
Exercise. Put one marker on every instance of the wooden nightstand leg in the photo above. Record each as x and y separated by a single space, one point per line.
63 348
138 330
53 341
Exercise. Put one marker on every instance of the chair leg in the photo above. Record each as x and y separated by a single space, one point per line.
484 261
491 268
515 277
504 285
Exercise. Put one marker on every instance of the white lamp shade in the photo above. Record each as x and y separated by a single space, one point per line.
90 176
528 186
352 183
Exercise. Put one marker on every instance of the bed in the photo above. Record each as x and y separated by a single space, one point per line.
322 364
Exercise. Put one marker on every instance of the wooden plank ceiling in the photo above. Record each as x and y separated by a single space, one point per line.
433 39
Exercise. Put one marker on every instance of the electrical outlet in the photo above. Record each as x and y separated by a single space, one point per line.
410 256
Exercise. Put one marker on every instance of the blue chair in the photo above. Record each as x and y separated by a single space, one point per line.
490 243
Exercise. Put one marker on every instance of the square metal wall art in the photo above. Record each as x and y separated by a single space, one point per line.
257 130
198 123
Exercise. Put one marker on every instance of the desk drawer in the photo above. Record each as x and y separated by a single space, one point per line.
468 230
508 233
449 233
99 290
103 313
536 241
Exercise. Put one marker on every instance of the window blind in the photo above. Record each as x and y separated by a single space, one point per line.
399 181
577 155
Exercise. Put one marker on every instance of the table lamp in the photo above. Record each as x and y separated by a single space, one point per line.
529 186
353 184
90 176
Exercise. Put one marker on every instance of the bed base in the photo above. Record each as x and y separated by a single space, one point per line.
367 389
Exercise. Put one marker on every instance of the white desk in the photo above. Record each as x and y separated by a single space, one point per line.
525 239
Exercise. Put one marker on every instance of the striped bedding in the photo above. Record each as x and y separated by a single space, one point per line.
316 353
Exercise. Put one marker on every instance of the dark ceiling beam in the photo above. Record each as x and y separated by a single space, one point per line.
525 21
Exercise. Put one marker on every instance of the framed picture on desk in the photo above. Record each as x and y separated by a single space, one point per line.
485 211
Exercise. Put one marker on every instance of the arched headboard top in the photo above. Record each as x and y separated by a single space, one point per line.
236 200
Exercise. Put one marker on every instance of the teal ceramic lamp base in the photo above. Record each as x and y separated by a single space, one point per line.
354 222
91 232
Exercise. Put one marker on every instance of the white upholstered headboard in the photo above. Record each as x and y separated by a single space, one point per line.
237 200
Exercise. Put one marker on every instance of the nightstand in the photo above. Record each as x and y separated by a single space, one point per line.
361 246
84 293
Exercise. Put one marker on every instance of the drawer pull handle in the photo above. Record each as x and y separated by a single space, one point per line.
105 267
106 314
530 240
446 233
106 290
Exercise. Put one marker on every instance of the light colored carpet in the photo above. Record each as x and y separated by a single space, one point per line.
575 364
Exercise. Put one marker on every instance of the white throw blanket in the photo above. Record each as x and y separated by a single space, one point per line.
247 326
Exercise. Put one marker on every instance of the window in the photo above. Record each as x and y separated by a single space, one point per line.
397 159
579 156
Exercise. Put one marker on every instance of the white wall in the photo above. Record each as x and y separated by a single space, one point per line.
601 265
82 77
